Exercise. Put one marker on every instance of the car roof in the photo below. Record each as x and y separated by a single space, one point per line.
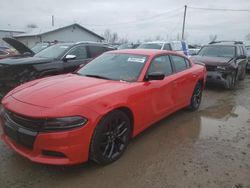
226 43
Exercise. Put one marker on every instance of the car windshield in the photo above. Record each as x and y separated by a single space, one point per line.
124 67
217 51
54 51
248 50
39 47
157 46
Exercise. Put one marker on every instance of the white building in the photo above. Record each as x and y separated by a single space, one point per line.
70 33
8 32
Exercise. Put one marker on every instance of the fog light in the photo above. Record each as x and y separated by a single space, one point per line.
53 153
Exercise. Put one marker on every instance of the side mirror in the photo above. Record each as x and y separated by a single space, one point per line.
69 57
241 57
155 76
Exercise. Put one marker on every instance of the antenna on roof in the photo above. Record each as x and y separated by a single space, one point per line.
53 21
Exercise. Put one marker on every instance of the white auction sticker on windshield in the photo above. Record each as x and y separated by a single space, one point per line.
136 59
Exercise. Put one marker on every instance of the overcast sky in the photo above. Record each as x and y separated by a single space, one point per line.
134 19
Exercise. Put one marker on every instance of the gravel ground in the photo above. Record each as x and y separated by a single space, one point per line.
206 148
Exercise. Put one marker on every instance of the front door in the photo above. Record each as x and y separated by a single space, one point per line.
81 58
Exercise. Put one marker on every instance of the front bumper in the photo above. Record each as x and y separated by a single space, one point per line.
217 77
55 148
60 148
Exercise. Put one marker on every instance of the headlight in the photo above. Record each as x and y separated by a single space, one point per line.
64 123
221 67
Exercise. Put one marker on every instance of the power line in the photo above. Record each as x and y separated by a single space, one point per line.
220 9
140 20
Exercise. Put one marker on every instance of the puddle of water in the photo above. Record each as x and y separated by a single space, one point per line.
225 123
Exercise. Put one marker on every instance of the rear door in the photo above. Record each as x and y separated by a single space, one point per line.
184 80
95 50
81 58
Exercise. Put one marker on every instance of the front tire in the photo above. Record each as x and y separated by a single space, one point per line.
243 74
110 138
196 97
231 81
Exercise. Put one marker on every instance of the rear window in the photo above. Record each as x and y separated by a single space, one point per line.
95 51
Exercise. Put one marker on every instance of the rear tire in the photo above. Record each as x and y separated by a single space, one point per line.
196 97
110 138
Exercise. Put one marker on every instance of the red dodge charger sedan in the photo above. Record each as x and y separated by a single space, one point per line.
92 113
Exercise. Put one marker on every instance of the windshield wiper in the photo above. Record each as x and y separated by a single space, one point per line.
96 76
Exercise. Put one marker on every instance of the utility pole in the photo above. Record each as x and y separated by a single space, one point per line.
53 21
184 22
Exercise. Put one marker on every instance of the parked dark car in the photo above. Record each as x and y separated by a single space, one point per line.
128 46
41 46
22 49
248 54
6 52
57 59
226 62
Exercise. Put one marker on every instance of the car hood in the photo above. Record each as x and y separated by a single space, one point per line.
20 47
23 61
62 90
211 60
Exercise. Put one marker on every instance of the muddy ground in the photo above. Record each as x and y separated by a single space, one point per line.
206 148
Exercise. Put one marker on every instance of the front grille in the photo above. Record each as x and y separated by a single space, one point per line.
20 129
25 122
210 68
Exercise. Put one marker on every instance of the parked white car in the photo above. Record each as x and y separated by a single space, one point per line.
164 45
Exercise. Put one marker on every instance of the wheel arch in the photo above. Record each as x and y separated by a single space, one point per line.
129 113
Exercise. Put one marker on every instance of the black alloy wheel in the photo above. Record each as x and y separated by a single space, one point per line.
110 138
196 97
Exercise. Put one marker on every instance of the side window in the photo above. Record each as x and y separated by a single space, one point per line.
180 63
80 52
161 64
95 51
167 47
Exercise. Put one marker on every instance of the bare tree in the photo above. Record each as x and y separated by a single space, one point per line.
110 37
123 40
114 37
107 35
147 40
158 37
212 38
178 36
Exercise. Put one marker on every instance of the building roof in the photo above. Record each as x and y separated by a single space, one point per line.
39 31
11 30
